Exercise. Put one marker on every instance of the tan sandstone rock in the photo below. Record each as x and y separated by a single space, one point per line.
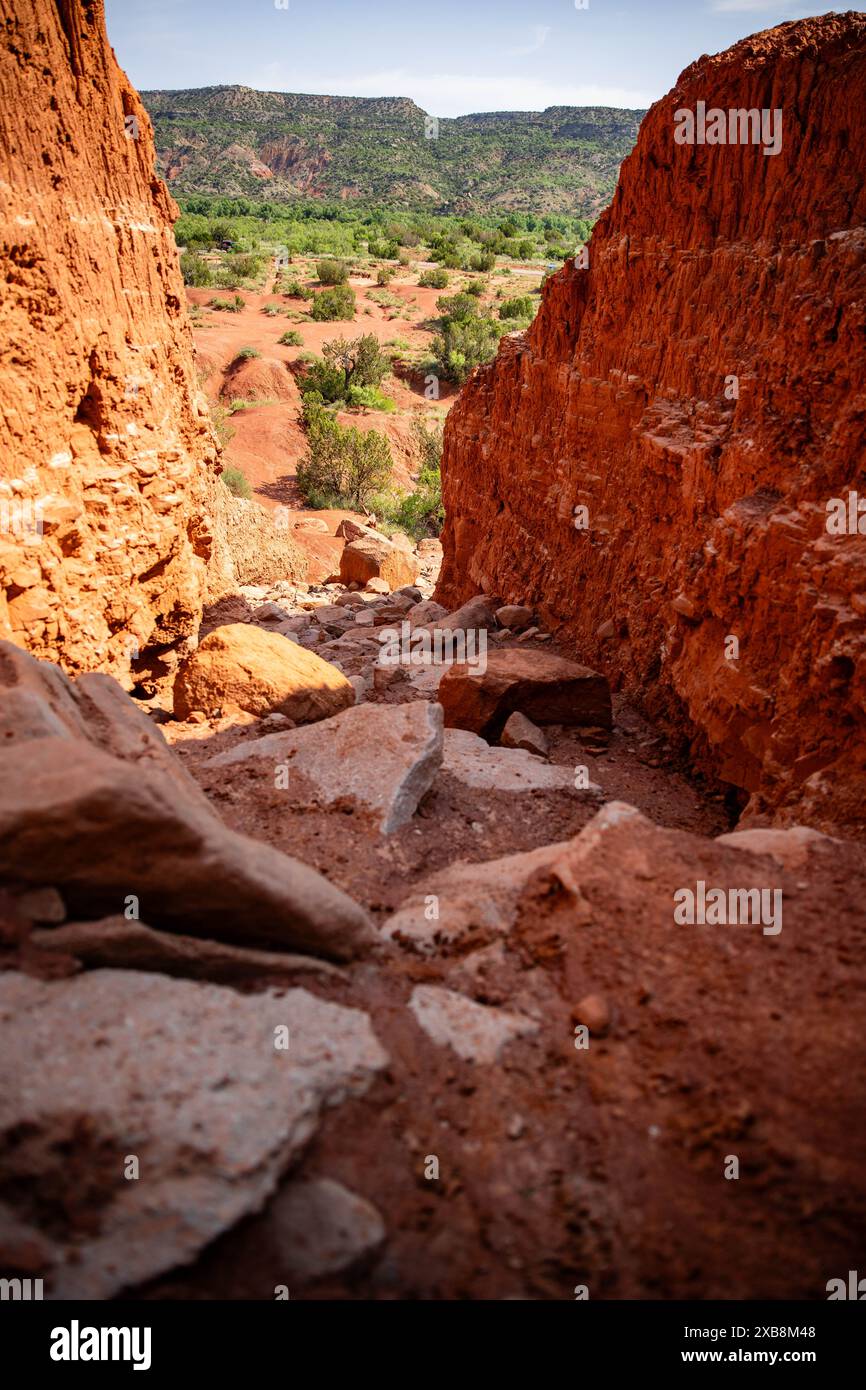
242 667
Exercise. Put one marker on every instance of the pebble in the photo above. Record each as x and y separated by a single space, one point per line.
593 1011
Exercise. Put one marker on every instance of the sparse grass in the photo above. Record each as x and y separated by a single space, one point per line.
238 403
231 306
225 433
237 482
369 398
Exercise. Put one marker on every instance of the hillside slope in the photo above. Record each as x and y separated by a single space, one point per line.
278 145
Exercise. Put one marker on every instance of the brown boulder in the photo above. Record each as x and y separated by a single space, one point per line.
545 688
240 666
376 558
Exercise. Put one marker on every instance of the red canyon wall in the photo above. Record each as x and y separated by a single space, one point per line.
100 424
706 515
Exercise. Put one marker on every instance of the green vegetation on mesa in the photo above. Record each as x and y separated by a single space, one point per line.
233 140
248 235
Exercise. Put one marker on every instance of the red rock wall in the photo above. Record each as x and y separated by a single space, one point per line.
706 515
98 403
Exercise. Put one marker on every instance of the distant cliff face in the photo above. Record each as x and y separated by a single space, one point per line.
106 462
279 145
651 463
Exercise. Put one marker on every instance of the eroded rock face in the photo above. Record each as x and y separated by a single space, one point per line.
699 391
97 390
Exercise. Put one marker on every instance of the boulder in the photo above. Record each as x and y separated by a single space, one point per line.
101 829
368 558
481 902
241 667
520 732
95 804
379 759
191 1081
514 616
546 688
476 615
426 612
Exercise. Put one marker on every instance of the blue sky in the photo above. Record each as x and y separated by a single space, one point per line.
451 57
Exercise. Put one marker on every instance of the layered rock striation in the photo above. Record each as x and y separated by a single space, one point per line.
650 465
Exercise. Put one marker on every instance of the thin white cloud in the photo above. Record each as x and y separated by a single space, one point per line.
540 34
452 94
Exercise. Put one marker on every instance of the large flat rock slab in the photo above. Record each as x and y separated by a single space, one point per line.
473 762
187 1079
379 759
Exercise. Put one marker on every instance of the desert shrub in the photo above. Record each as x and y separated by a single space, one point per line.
360 359
403 257
526 249
324 378
433 279
427 440
291 338
369 397
226 304
272 309
384 275
342 467
418 513
520 307
475 287
382 250
482 260
195 270
290 286
244 267
246 353
331 305
332 272
457 306
464 344
236 482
